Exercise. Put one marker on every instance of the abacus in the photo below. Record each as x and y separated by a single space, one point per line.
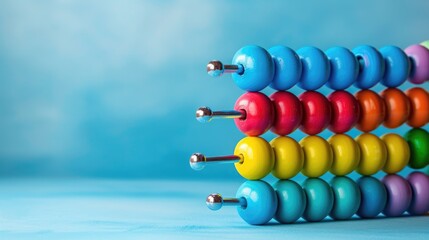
253 68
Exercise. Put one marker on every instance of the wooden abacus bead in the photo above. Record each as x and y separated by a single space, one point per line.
320 199
425 44
317 156
419 56
371 66
253 158
287 113
345 111
256 202
372 110
418 141
259 113
292 201
316 112
288 67
398 153
419 112
399 195
253 113
315 68
373 154
344 68
373 197
419 183
397 66
347 198
289 157
252 69
397 107
346 154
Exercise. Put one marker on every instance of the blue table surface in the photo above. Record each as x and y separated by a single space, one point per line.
142 209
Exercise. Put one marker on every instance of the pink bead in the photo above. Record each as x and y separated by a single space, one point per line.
345 111
288 112
259 113
419 56
316 114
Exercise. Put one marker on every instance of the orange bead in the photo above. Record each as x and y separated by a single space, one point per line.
373 110
419 112
397 107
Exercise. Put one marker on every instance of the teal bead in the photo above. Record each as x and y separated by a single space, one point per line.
315 68
288 67
397 66
344 68
291 201
371 66
347 198
373 197
320 199
258 68
261 202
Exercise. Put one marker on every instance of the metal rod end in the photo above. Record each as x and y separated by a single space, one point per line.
204 114
214 201
215 68
197 161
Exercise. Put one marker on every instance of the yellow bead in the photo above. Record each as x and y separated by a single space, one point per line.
317 156
346 154
257 158
373 154
289 157
398 153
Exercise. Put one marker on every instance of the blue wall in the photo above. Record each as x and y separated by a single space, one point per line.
109 88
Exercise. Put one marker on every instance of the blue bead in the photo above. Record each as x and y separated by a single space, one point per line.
292 201
347 198
320 199
344 68
371 66
315 68
261 202
288 67
373 197
397 66
258 68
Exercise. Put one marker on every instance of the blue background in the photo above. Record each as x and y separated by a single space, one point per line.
109 88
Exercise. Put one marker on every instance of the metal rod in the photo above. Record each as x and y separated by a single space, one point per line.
205 114
198 161
215 201
216 68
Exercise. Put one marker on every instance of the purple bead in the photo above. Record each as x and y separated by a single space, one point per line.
420 189
419 56
399 195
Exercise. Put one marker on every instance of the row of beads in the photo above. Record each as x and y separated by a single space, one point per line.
314 156
287 201
311 68
312 112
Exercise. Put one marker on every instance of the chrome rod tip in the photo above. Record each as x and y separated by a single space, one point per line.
204 114
214 201
197 161
215 68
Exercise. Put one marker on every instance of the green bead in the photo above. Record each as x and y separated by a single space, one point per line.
418 140
425 44
347 198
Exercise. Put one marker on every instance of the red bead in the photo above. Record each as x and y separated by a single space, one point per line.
345 111
288 112
316 114
259 113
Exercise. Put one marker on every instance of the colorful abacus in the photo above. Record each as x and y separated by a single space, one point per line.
254 113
